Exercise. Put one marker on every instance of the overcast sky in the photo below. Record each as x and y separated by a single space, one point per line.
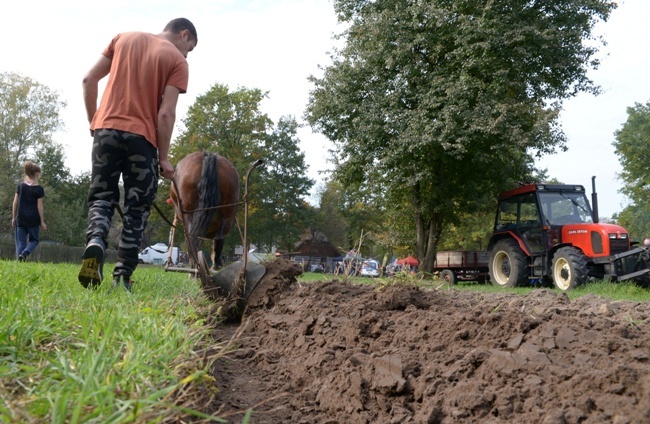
275 45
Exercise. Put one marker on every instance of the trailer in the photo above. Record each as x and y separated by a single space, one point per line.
469 265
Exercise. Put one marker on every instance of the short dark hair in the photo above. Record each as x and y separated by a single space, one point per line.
179 24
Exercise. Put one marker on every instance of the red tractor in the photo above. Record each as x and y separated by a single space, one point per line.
548 232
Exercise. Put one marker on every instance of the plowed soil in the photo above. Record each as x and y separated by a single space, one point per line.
334 352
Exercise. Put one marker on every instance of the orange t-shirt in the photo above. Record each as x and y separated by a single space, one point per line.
142 65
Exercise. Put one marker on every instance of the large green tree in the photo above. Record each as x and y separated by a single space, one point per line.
29 116
632 146
445 102
230 123
281 212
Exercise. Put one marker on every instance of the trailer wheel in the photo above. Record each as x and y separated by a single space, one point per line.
508 265
448 276
569 268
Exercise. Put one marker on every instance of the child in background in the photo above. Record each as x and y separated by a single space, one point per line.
27 212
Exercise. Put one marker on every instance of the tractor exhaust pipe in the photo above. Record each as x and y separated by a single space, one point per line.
594 200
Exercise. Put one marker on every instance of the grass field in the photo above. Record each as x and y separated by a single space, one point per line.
615 291
71 355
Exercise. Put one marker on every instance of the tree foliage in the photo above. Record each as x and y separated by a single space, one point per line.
445 103
229 123
281 213
347 213
632 146
470 232
635 218
65 205
66 209
29 116
332 221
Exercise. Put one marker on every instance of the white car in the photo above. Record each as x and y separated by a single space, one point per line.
369 271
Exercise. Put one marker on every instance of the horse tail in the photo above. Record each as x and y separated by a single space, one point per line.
209 195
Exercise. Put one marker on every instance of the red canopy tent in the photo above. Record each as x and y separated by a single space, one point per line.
409 260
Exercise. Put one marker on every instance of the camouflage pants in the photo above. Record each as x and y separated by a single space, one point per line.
114 154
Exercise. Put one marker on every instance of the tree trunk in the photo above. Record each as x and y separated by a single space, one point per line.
427 233
429 258
420 236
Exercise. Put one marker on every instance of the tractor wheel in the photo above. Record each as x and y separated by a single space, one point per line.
569 268
448 276
508 264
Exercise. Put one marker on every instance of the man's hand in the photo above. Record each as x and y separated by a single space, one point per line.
166 169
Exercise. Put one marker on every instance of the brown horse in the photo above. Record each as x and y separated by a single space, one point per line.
208 187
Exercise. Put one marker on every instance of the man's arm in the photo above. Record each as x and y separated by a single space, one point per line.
91 83
166 119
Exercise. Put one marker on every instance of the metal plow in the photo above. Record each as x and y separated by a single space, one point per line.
232 284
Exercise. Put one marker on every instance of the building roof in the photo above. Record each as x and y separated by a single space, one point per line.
318 245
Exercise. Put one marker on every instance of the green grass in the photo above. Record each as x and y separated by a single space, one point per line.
614 291
71 355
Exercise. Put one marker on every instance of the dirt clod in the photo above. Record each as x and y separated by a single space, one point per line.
332 352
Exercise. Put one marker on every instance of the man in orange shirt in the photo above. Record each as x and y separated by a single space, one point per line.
131 132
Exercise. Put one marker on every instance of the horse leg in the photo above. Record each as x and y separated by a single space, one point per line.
217 249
